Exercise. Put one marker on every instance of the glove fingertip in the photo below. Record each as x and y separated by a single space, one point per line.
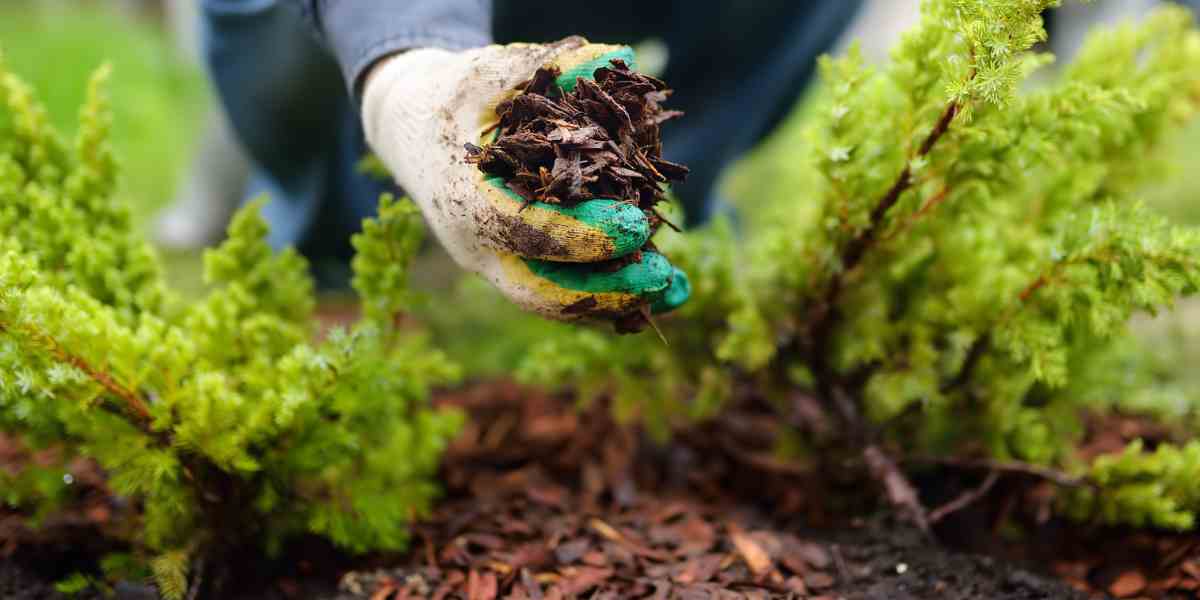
677 293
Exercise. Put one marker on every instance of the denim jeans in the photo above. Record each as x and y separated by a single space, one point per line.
737 69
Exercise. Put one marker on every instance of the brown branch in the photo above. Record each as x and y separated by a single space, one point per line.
134 405
981 344
664 220
940 129
900 491
1032 288
931 203
974 355
966 499
197 579
1049 474
857 247
824 314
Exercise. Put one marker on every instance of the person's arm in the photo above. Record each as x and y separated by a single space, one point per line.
428 84
361 32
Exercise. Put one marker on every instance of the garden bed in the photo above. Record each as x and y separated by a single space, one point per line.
546 502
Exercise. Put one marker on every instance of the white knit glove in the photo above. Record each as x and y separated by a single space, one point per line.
419 109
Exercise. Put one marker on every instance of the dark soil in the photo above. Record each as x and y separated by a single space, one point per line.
18 583
547 502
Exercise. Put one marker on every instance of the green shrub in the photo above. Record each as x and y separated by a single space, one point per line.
960 257
223 418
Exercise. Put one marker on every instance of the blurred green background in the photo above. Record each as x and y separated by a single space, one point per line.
160 98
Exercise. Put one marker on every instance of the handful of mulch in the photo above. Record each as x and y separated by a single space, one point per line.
599 140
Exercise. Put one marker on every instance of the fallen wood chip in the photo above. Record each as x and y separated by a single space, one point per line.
815 555
756 558
819 581
610 533
1129 583
481 587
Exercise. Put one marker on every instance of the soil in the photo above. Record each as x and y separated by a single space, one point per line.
544 501
18 583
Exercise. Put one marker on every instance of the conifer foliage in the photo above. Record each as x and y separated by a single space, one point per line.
967 249
223 419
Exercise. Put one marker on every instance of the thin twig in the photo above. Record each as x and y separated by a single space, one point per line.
135 406
198 580
824 314
1032 288
839 561
764 461
981 344
1052 475
854 251
664 220
965 499
650 319
669 223
132 401
974 355
899 489
927 207
1174 557
942 126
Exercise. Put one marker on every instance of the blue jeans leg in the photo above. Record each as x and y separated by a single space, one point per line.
285 97
738 68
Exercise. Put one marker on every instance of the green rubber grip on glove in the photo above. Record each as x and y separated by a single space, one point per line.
650 276
569 76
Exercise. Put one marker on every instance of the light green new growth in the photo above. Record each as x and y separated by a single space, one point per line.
958 255
224 419
1143 488
380 261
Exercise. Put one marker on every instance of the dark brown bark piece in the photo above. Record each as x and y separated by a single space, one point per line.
601 139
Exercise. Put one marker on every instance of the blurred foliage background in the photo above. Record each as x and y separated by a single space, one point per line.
160 98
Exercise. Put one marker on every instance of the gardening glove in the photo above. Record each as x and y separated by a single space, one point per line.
419 109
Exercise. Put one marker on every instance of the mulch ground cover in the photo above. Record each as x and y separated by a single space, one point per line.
544 501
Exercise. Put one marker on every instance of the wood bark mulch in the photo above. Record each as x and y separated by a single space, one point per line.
544 501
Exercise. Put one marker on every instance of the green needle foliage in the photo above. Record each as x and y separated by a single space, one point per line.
224 419
961 262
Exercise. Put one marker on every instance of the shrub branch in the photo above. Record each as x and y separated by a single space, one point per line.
132 406
825 317
1054 476
965 499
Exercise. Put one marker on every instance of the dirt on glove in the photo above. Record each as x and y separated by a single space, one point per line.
599 140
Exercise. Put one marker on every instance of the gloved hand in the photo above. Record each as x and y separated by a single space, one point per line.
419 109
